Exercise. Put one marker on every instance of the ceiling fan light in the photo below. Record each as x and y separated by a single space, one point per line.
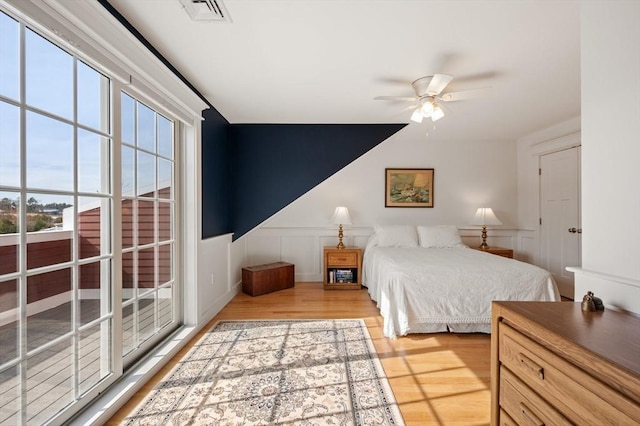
438 113
417 115
427 109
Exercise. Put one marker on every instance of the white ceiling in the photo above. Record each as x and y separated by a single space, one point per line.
323 61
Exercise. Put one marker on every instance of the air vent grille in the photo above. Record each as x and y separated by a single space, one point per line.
206 10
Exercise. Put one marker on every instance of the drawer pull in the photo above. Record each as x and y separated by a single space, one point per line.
531 365
533 419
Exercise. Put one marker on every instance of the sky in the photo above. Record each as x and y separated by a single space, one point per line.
49 139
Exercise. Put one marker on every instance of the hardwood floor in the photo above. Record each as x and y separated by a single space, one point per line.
437 379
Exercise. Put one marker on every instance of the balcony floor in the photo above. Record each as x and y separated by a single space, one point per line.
49 375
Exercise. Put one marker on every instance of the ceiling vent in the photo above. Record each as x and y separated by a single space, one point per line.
206 10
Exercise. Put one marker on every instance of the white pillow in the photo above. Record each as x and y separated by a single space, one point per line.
439 236
397 236
372 241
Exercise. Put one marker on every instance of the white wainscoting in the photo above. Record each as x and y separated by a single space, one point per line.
528 246
303 246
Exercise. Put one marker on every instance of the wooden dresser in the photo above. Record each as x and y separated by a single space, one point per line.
553 364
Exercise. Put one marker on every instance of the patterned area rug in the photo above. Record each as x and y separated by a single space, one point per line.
302 372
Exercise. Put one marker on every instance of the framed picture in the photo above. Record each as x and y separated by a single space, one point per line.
408 188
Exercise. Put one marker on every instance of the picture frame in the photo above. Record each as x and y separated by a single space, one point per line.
408 187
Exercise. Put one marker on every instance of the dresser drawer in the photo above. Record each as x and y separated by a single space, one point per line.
505 420
523 405
577 395
342 259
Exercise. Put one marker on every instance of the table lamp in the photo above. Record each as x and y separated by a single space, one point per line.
341 217
485 216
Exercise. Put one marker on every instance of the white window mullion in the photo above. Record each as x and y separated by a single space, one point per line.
116 228
75 284
107 238
156 230
134 233
22 229
176 271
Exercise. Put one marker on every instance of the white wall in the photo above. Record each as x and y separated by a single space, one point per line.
610 33
468 174
215 285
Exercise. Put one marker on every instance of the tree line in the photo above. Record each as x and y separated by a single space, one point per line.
39 216
8 205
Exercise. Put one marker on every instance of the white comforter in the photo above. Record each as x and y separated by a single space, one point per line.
426 290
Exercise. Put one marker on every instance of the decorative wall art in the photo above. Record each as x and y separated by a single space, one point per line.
408 188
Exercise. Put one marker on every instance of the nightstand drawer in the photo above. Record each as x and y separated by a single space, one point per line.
342 259
499 251
561 384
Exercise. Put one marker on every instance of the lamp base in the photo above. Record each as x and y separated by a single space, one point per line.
484 245
340 236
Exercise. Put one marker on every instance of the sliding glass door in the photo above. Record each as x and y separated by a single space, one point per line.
65 227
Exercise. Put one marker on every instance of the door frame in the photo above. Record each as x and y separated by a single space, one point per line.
541 256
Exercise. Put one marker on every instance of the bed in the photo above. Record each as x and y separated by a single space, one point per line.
425 280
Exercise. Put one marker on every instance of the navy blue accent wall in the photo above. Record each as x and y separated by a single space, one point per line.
273 164
215 175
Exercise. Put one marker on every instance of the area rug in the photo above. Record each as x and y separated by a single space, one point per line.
282 372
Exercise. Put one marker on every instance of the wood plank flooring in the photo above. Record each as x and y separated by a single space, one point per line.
437 379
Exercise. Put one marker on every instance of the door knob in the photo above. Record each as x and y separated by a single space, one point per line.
573 230
579 230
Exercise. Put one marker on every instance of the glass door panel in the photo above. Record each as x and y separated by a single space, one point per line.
148 225
56 213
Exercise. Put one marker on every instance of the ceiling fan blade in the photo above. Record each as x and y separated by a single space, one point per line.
393 80
447 111
463 95
396 98
438 83
474 78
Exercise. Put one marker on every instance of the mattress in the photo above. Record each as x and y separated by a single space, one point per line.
427 290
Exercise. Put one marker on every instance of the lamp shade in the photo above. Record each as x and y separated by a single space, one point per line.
341 216
417 115
438 113
485 216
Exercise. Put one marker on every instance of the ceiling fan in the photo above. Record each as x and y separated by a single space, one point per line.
429 97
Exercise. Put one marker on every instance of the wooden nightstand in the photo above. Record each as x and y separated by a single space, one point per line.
504 252
342 268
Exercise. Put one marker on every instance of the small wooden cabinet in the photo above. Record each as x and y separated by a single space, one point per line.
504 252
554 364
342 268
261 279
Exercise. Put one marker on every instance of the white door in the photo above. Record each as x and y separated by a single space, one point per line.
560 228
